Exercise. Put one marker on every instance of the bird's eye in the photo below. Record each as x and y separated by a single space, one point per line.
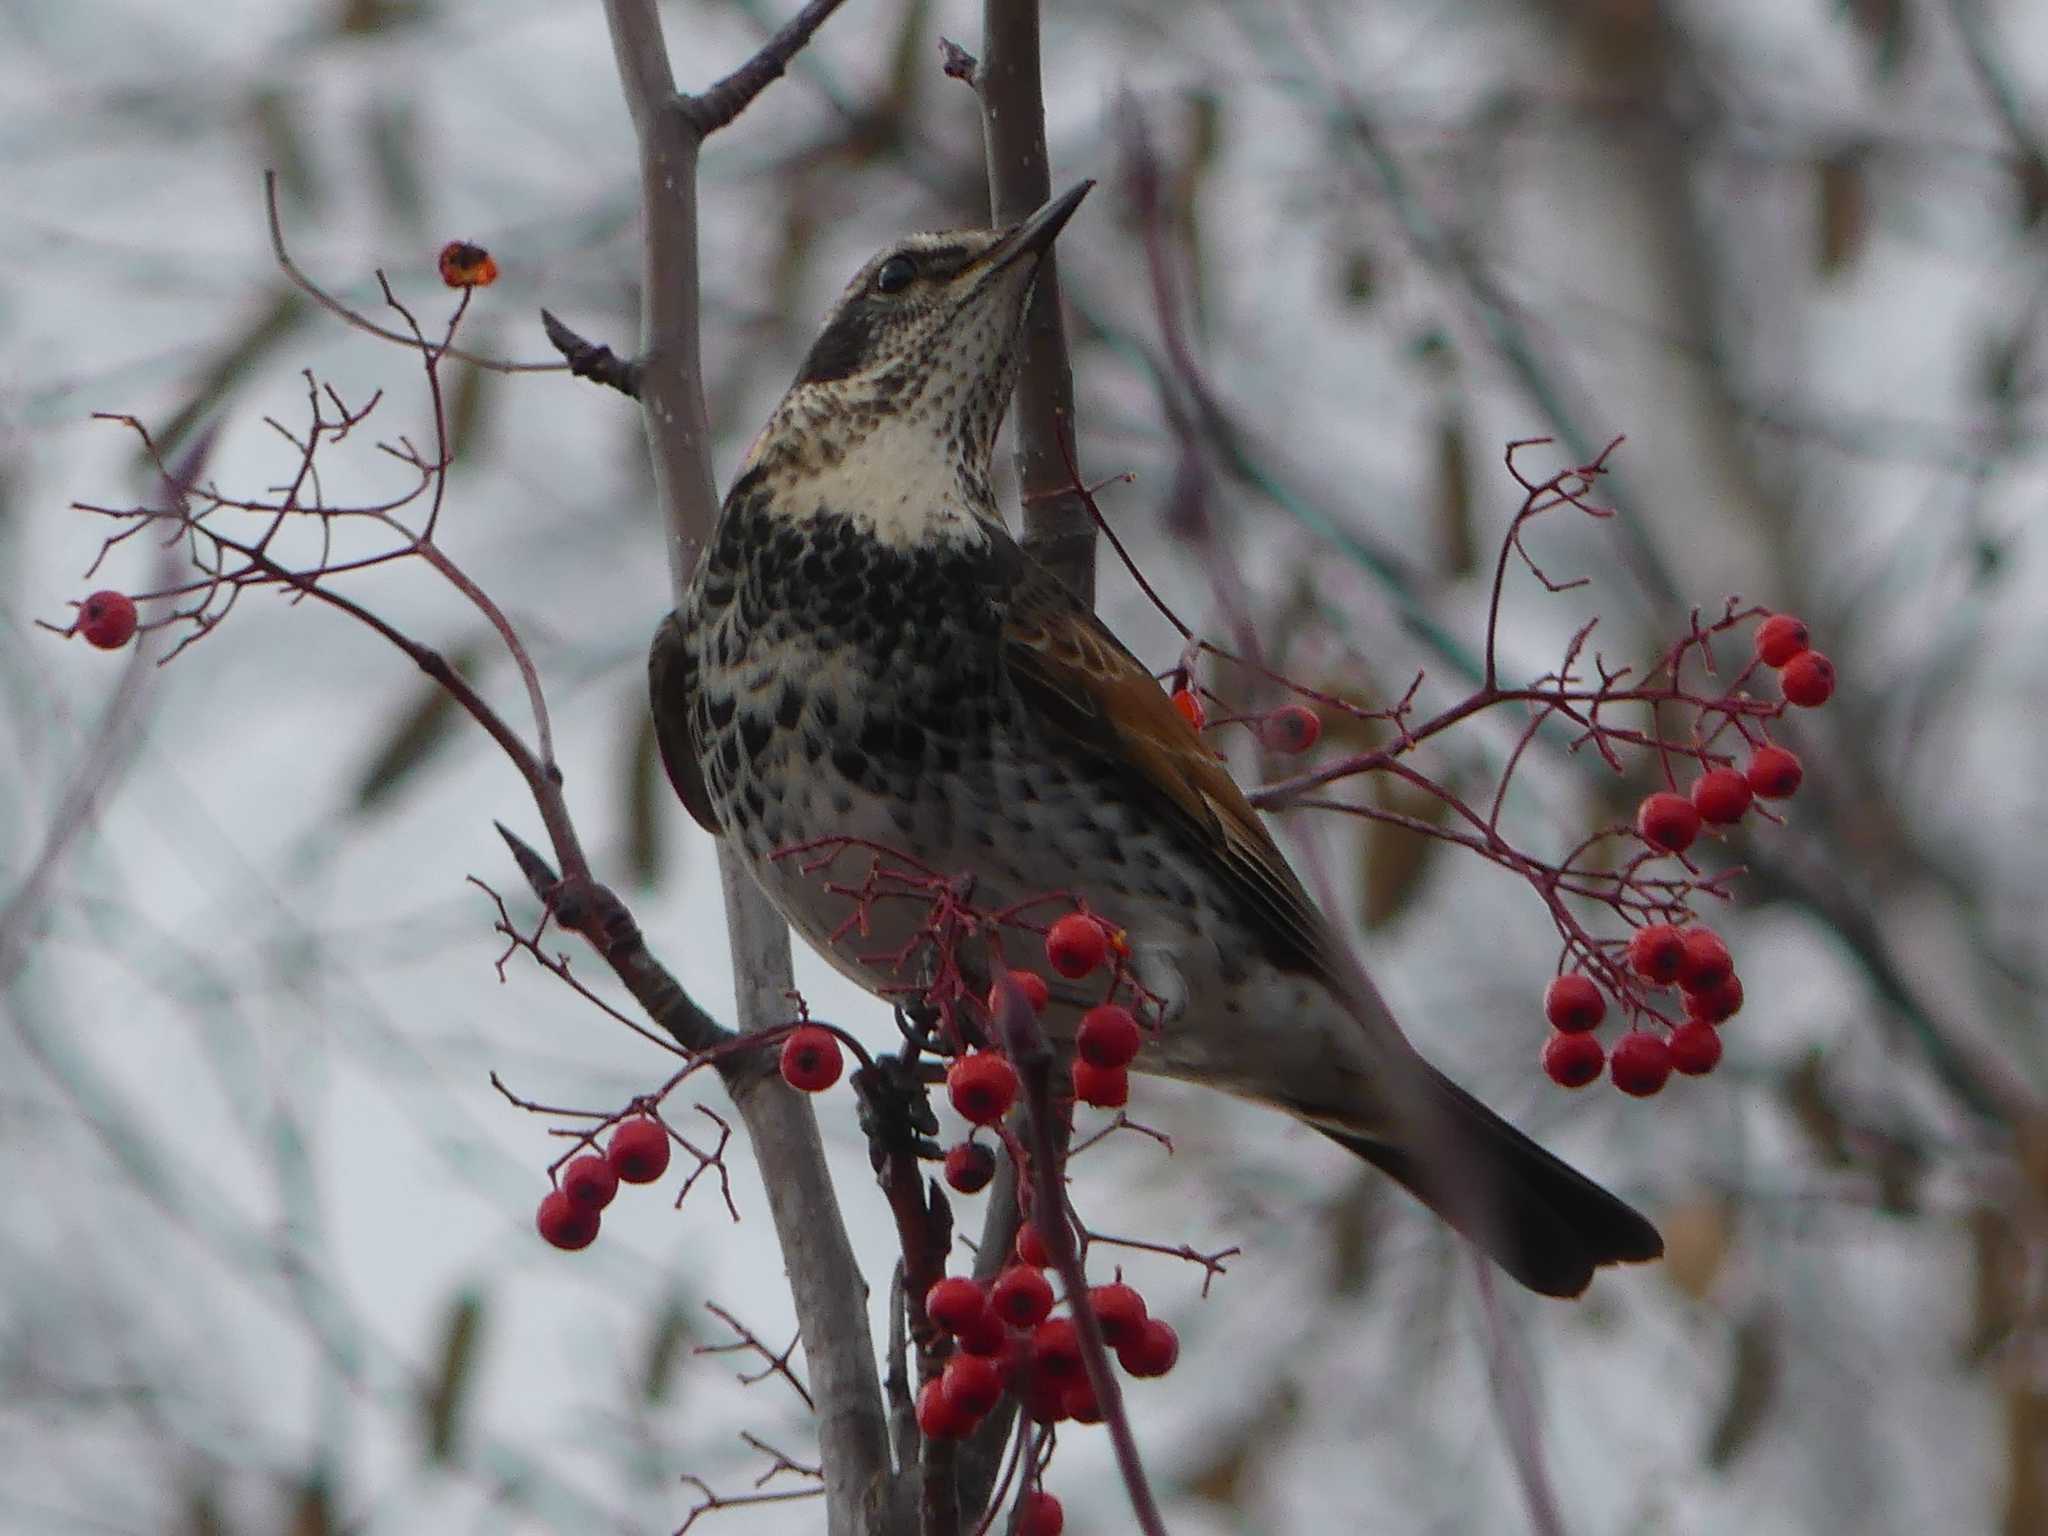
895 274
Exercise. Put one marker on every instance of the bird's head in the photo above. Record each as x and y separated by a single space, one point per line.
910 376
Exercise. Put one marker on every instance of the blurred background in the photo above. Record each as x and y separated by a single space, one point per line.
267 1262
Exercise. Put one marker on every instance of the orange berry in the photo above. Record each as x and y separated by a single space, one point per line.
810 1058
1103 1087
1707 962
1190 707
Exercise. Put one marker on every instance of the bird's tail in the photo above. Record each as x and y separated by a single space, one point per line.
1540 1219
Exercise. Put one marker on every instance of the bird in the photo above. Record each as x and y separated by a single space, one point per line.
864 652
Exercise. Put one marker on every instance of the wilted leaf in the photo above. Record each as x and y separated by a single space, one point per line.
1220 1477
1883 23
646 795
393 130
1454 498
446 1395
1396 858
1752 1389
1697 1236
2026 1460
1358 278
235 362
1352 1220
1998 1276
474 395
671 1341
413 739
275 114
312 1507
1844 193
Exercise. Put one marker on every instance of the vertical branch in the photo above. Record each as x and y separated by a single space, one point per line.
826 1286
1057 528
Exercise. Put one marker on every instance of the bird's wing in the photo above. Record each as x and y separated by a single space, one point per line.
1088 689
672 688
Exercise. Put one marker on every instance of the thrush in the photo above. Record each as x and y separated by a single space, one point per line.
863 652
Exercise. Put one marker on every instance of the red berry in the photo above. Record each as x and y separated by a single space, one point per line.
1120 1310
1056 1350
1021 1296
1039 1514
1707 961
1779 638
590 1181
1668 822
939 1416
1108 1036
639 1150
969 1167
982 1086
565 1224
1721 796
811 1059
1657 953
1031 1247
986 1335
1076 945
1808 680
1695 1049
1104 1087
1291 728
107 620
1774 773
1044 1400
1079 1401
1036 993
1190 707
954 1303
973 1382
1715 1004
1572 1061
1156 1348
1640 1063
1573 1004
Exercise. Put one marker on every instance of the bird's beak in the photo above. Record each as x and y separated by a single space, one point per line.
1035 235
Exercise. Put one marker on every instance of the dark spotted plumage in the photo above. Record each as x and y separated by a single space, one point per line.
864 652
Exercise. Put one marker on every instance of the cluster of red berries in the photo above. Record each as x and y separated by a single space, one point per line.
1291 728
106 620
1670 822
1693 959
637 1154
1007 1340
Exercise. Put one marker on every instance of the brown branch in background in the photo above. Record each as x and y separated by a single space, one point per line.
1057 528
714 107
826 1285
